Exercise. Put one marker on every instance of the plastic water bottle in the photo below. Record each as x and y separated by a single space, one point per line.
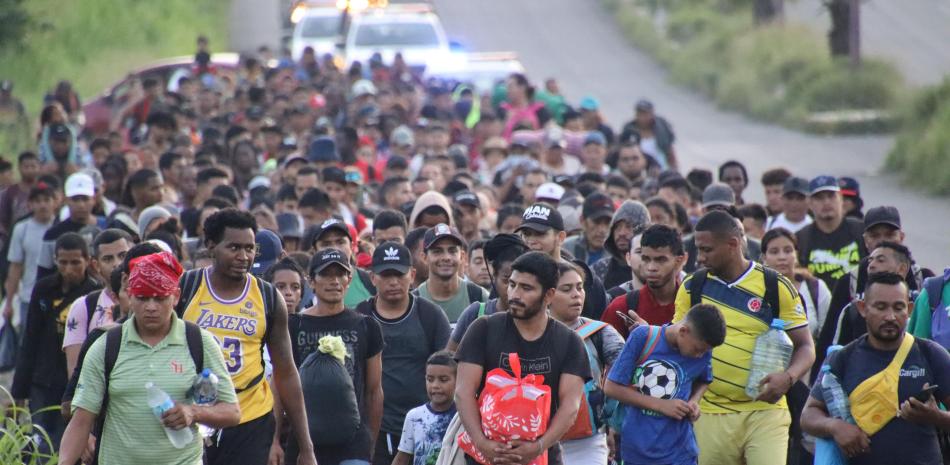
772 354
159 402
206 393
835 399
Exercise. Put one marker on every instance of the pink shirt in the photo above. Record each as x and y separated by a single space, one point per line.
77 327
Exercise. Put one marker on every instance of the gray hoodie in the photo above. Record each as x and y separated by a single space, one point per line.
613 269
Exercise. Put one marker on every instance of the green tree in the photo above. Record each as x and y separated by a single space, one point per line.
15 22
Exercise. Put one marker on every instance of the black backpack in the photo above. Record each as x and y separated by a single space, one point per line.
771 288
114 344
333 413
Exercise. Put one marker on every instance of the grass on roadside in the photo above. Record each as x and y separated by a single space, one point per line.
922 150
95 42
779 72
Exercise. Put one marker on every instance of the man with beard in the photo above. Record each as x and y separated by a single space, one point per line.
627 221
545 347
883 434
413 329
661 262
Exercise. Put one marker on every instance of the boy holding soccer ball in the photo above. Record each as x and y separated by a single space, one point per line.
660 377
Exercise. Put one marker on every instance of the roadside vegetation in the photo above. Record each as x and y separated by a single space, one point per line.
774 71
922 151
95 42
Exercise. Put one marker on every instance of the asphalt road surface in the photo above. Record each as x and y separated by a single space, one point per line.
579 44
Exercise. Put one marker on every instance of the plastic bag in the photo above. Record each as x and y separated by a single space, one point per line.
511 408
8 347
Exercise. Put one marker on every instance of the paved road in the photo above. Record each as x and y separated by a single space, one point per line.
577 42
911 33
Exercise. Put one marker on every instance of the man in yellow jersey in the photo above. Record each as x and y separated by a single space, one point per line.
734 428
244 314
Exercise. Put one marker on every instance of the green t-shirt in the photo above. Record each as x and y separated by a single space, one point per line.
922 318
129 420
356 293
454 306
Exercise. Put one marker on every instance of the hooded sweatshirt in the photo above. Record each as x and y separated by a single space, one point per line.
429 199
613 269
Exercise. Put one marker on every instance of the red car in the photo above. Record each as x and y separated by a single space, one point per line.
99 112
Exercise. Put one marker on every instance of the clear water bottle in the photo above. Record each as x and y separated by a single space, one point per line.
835 399
772 354
206 393
160 402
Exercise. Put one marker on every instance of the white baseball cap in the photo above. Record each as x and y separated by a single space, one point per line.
549 191
80 184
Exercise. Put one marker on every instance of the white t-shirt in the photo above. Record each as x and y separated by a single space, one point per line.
422 433
779 221
816 316
25 246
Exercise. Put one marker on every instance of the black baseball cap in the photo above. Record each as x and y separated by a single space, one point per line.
331 224
598 205
466 197
59 131
796 185
541 218
326 257
391 256
334 174
441 231
882 215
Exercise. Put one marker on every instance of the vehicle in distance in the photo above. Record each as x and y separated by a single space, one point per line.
100 111
416 32
480 69
318 28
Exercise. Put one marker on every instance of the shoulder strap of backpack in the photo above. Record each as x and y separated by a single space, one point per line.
590 328
92 299
696 287
633 299
653 338
813 290
190 281
481 309
195 345
771 290
934 288
113 344
474 292
269 295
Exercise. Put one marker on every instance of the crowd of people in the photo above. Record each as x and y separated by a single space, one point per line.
242 224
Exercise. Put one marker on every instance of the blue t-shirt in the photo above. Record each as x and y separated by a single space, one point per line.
900 441
650 437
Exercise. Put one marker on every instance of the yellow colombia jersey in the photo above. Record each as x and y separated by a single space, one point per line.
747 316
239 326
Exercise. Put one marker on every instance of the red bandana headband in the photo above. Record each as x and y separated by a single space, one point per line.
154 275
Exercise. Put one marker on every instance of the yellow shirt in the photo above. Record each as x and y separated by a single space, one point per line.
747 316
238 326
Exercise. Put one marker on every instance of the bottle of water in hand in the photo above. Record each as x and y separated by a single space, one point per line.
160 403
206 393
772 354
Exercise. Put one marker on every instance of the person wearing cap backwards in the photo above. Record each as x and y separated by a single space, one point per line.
832 245
152 347
40 375
413 329
500 252
851 197
334 234
80 195
596 214
719 196
444 251
627 222
653 133
247 315
330 273
794 215
469 215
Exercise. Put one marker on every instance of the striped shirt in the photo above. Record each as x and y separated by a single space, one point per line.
747 316
129 420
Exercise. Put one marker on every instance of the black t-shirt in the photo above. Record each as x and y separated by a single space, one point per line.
364 340
900 441
829 256
410 340
558 351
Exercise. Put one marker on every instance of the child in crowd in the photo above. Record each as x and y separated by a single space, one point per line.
660 377
425 425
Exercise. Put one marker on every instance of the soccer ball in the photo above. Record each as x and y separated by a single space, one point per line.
658 379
